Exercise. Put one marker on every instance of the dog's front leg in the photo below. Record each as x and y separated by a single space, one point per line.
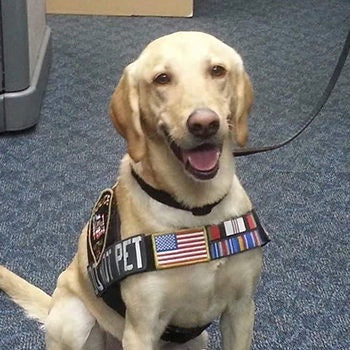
142 331
70 326
237 325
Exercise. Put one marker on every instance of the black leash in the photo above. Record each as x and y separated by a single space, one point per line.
320 103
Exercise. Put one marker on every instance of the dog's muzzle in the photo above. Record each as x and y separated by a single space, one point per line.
201 161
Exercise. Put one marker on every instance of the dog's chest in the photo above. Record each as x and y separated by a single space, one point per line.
195 295
212 287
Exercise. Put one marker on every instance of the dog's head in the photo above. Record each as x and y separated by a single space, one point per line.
188 91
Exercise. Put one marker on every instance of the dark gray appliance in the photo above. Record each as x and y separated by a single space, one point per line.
24 62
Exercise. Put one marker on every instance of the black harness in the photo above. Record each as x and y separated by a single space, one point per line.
112 259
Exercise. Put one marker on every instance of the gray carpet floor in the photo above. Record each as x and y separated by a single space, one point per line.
51 175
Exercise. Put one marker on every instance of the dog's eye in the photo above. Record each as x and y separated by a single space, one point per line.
162 79
217 71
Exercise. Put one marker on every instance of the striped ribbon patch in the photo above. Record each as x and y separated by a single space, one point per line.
180 248
232 227
239 225
234 245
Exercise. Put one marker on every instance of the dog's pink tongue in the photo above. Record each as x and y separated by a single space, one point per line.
202 159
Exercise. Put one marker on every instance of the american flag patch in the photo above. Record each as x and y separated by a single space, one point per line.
180 248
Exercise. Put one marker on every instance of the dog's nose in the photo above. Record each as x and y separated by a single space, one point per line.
203 123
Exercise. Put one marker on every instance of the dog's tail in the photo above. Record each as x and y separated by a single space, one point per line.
33 300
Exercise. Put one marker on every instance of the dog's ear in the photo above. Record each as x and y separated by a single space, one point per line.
124 111
241 105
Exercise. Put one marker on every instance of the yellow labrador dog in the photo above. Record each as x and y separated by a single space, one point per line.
181 106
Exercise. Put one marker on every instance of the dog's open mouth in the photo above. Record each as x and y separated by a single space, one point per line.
202 161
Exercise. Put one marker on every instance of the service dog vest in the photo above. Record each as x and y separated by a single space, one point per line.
112 259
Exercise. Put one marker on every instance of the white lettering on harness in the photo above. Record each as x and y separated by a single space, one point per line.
95 280
136 241
118 255
127 267
119 261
